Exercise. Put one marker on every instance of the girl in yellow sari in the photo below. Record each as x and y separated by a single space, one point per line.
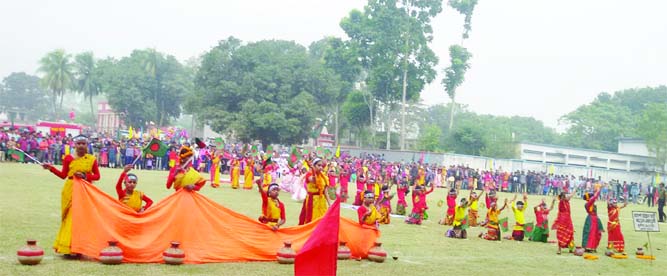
84 166
316 203
130 196
235 172
184 175
248 173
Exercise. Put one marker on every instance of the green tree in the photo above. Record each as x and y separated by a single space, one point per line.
597 125
467 139
168 78
270 90
22 92
131 89
341 58
466 8
429 138
87 80
496 135
391 38
57 69
355 111
455 75
653 129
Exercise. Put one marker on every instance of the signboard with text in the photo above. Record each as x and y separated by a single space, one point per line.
645 221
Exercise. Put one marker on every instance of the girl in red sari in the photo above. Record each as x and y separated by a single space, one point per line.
418 205
401 191
563 223
451 207
593 226
615 237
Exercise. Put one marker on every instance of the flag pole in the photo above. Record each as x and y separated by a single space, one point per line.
29 156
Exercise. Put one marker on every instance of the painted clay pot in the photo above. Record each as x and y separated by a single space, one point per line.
286 254
640 251
377 253
343 251
609 252
173 255
579 251
30 254
111 254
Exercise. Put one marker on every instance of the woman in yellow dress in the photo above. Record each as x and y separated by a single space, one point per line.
183 175
83 166
248 173
316 203
235 172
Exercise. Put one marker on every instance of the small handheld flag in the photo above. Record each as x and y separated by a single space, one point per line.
464 223
156 148
503 223
528 228
219 143
294 157
200 143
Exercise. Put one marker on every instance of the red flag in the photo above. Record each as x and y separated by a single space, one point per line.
318 256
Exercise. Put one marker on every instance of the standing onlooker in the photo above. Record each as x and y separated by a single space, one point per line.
650 194
662 195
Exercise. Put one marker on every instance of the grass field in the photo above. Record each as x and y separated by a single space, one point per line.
30 208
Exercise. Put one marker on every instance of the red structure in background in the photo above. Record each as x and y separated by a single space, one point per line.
108 121
325 139
58 129
8 125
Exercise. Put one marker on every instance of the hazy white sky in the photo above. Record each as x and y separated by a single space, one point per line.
539 58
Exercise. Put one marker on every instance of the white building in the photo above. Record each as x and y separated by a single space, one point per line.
551 154
634 146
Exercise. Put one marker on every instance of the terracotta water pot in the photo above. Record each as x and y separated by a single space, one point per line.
343 251
579 251
609 252
111 254
640 251
286 254
30 254
173 255
377 253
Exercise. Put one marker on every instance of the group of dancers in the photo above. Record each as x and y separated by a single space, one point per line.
316 182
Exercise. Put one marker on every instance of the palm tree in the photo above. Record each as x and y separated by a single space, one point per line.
152 65
86 77
57 69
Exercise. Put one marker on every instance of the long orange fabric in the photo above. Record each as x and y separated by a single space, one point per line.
208 232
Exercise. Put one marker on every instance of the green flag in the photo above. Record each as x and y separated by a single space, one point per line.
219 143
528 228
293 157
269 150
327 153
155 148
254 150
16 155
319 151
464 223
503 223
